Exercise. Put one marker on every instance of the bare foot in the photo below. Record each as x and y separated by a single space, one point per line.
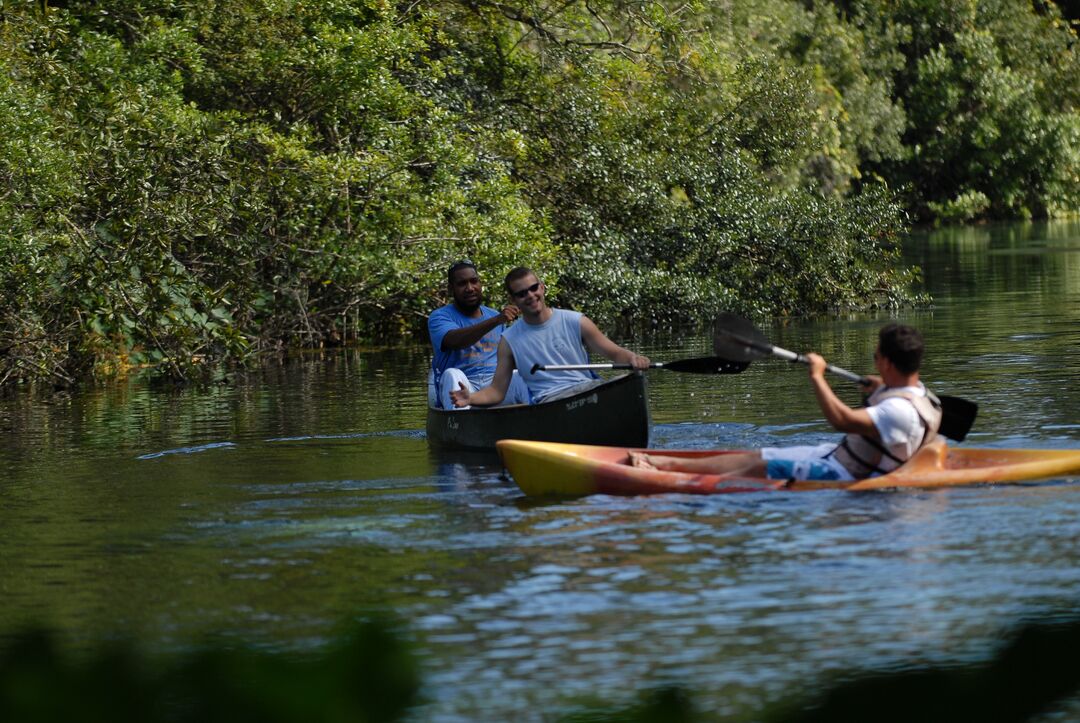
640 459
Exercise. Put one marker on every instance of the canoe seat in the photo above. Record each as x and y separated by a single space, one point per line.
930 457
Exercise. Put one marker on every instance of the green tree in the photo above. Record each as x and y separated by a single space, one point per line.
991 98
193 181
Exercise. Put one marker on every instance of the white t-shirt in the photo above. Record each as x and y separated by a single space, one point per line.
899 425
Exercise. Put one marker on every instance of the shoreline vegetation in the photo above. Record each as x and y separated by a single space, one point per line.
185 184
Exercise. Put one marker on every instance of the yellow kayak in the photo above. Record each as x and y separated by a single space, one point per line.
549 468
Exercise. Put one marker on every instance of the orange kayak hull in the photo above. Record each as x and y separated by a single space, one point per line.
555 469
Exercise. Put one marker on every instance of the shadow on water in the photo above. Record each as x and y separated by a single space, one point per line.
460 470
1034 671
370 673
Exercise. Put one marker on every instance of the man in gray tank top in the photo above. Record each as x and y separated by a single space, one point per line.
544 335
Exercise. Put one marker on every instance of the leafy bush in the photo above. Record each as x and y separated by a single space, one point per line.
965 207
368 673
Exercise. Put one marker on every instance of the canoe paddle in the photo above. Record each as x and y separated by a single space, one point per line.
698 365
739 340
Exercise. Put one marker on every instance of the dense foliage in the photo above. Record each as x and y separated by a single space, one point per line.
183 180
991 90
368 673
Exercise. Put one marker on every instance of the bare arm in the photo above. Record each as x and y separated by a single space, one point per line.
469 335
839 415
500 382
597 342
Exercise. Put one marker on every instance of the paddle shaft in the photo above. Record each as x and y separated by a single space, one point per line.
697 365
796 358
575 367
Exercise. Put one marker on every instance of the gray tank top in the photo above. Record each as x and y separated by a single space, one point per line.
556 341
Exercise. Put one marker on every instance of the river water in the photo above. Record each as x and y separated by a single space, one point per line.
268 508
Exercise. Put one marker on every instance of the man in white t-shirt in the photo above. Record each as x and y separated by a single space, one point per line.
900 416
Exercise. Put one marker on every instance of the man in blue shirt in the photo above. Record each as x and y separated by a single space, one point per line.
465 337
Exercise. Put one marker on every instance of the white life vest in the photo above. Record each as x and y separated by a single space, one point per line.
862 455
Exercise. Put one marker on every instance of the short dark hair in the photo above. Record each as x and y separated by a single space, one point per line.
902 345
458 266
518 272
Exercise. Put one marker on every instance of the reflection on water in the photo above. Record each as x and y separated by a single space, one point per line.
270 508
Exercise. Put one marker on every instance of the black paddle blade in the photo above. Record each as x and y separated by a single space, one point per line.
957 416
706 365
738 339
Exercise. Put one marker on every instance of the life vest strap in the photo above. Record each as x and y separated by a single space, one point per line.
870 467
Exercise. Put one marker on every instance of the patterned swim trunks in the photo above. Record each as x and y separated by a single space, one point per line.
802 470
803 463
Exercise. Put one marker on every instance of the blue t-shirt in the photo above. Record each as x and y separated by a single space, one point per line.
476 361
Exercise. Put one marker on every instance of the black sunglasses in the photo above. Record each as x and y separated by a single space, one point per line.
522 293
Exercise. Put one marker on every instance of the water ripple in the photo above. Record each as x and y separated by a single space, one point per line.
188 450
